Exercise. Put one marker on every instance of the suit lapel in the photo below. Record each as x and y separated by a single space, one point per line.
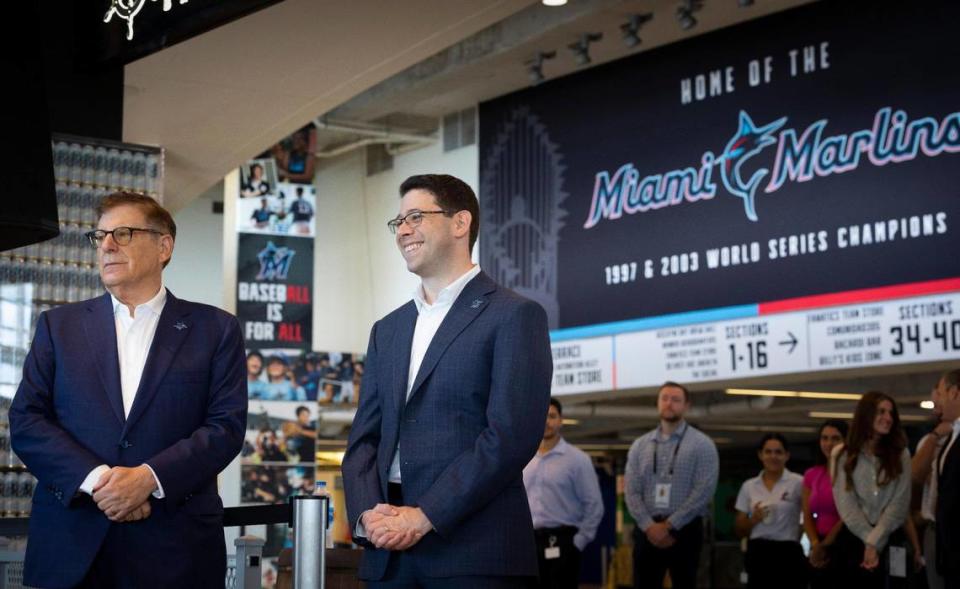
402 346
173 328
99 324
471 302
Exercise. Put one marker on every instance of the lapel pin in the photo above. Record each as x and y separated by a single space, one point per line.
180 325
476 303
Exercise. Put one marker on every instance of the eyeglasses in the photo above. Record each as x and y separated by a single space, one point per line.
121 235
412 219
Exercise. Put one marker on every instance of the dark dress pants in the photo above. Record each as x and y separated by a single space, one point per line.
774 563
562 572
650 563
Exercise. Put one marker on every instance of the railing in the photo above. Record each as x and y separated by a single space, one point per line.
307 514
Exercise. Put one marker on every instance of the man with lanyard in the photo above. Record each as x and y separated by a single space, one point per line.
565 503
671 476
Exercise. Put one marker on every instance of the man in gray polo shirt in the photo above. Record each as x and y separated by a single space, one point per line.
671 476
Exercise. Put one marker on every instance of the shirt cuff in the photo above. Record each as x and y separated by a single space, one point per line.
159 494
90 482
580 541
360 531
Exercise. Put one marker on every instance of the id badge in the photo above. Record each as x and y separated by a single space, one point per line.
551 552
898 561
662 495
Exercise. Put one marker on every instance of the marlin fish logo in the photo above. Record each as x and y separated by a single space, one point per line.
748 141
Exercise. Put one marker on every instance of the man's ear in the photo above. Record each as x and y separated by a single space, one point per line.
166 247
462 220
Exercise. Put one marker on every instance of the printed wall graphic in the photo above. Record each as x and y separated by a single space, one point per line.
522 191
288 210
258 178
327 378
275 290
280 433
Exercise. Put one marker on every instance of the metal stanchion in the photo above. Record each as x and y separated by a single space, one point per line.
249 559
309 540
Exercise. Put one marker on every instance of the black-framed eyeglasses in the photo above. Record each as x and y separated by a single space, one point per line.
121 235
412 219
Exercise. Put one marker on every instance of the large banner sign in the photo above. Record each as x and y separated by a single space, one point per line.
757 169
275 291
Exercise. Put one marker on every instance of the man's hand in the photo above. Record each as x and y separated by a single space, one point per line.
139 513
659 535
870 557
373 523
397 531
943 429
120 490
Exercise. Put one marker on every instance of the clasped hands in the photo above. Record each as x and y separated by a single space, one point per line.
659 535
395 528
123 493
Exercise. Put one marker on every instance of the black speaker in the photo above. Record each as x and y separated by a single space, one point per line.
28 199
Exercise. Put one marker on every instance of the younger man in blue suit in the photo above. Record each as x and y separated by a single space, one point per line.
455 387
130 405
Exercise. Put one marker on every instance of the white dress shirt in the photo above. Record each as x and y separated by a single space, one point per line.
429 318
928 503
134 338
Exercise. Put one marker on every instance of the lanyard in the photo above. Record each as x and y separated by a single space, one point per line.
676 450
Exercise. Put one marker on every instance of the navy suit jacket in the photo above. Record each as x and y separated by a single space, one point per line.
474 419
187 422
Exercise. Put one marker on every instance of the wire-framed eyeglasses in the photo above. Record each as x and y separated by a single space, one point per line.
121 235
412 219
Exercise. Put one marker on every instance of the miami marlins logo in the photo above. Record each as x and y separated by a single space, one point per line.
274 262
748 141
128 9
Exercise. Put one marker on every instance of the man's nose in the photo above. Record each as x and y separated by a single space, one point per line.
404 228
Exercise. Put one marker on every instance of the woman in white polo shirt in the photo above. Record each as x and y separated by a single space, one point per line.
768 513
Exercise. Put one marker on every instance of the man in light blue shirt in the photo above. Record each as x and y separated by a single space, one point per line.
565 503
671 476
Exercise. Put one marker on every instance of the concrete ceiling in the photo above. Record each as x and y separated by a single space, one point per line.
218 99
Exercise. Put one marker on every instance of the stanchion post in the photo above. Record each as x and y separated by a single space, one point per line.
309 540
249 561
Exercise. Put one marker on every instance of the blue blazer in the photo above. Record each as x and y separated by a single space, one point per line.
474 419
187 422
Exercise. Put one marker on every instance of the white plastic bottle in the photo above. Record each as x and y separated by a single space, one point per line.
320 490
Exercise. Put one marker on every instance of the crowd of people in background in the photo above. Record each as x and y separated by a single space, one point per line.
873 516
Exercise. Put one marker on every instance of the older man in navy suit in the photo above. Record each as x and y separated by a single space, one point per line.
455 388
130 405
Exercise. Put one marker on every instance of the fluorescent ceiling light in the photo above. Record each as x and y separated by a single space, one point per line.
568 421
842 415
554 2
795 394
830 415
803 429
926 404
